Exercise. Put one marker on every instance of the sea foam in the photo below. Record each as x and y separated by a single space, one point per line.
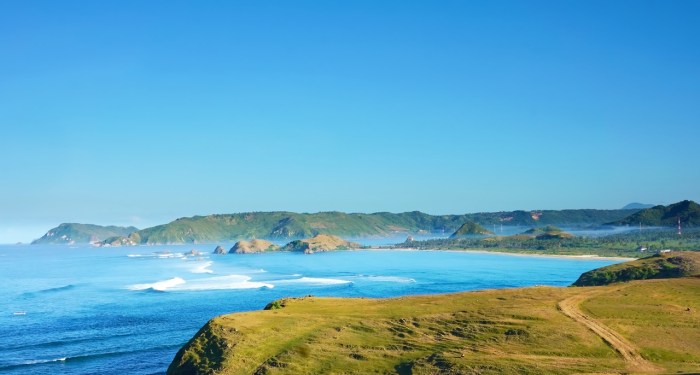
209 283
160 286
389 279
223 282
203 268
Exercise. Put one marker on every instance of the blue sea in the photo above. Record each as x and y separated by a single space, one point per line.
83 310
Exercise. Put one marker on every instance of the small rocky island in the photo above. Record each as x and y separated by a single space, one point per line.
254 246
320 243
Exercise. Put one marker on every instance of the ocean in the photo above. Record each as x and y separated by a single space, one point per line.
84 310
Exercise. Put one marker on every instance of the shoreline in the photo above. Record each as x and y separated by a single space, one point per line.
478 251
381 248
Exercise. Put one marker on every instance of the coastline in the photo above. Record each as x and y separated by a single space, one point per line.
563 256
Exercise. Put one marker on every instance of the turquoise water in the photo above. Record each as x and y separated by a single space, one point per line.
82 310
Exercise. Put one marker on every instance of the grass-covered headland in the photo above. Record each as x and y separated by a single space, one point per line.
648 326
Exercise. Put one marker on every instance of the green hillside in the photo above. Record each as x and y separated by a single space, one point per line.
658 266
73 233
290 225
646 326
550 232
470 228
687 211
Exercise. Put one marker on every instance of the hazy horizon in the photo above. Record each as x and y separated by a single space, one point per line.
132 113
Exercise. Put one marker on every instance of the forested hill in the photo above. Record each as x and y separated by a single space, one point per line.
663 216
289 225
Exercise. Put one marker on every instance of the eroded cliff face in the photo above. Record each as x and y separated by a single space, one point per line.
204 353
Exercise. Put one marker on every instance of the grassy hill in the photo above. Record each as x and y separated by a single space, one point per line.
470 228
290 225
658 266
687 211
524 331
71 233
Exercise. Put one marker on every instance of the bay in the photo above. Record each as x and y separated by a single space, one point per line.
84 310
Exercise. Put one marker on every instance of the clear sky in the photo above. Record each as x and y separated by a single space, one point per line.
139 112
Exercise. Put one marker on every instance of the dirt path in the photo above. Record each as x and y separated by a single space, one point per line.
571 308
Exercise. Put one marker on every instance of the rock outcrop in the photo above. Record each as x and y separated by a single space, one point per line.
320 243
254 246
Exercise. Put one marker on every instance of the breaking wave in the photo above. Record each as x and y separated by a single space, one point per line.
210 283
160 286
223 282
38 361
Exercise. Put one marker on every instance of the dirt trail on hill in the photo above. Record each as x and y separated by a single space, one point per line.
571 308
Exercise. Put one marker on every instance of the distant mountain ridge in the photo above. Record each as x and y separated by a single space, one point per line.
290 225
71 233
665 216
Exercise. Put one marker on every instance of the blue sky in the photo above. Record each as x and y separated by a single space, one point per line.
131 112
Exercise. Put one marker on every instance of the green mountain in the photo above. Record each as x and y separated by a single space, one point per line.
658 266
470 228
665 216
290 225
72 233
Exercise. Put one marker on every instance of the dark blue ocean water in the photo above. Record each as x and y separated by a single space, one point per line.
82 310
